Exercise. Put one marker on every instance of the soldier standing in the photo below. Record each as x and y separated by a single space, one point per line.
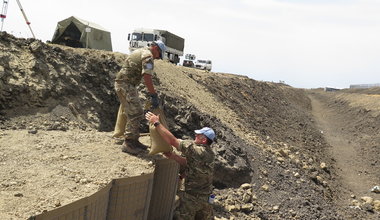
139 64
198 161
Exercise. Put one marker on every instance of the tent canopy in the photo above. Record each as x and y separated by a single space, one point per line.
72 32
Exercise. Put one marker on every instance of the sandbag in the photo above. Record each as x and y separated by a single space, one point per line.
157 143
121 122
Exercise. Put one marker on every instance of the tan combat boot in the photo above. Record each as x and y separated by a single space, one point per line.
133 146
140 145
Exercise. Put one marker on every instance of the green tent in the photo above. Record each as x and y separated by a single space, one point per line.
76 32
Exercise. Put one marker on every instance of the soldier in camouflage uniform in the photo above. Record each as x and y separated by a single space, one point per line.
198 160
139 65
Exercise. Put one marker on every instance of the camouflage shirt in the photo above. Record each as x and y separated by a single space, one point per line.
138 63
200 167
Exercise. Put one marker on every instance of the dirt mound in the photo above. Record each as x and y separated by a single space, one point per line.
37 77
58 108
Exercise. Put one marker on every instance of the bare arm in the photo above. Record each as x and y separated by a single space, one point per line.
165 133
149 83
179 159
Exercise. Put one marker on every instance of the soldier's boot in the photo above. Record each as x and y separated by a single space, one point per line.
141 145
129 147
133 146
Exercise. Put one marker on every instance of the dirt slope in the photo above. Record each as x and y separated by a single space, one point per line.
351 125
58 108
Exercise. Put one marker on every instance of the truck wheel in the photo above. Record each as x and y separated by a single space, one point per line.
176 59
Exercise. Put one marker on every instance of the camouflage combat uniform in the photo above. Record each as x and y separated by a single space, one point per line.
198 182
138 63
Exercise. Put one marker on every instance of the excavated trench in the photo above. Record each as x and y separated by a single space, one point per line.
273 162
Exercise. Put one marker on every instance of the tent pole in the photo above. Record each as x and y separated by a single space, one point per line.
88 30
26 19
3 14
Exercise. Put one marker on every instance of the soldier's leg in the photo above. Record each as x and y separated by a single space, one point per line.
133 111
206 213
128 96
188 207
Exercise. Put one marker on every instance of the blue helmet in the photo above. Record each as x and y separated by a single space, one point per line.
162 47
206 131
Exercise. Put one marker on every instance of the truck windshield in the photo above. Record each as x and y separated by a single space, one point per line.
148 37
136 36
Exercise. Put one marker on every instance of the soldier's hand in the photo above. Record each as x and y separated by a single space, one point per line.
169 155
152 118
154 100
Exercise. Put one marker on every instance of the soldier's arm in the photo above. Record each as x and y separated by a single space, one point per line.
149 83
165 133
179 159
147 71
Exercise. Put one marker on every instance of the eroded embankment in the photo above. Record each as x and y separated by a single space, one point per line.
350 124
266 136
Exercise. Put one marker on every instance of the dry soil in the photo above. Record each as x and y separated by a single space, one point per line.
282 152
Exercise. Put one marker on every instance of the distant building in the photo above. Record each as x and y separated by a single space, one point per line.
329 89
364 86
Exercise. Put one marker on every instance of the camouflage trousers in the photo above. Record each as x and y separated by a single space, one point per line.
129 98
193 207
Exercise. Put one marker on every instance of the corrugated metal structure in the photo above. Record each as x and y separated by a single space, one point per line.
364 86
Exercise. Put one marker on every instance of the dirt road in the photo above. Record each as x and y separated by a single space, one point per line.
358 172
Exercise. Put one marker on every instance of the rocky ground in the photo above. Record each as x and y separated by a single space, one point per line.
282 153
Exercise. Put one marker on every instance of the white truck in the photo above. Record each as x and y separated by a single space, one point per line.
143 37
189 60
203 64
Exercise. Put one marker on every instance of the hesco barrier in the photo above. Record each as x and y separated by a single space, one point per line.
149 196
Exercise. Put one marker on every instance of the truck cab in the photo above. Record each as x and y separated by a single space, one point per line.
143 37
189 60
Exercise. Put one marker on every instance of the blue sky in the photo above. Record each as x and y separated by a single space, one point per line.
307 44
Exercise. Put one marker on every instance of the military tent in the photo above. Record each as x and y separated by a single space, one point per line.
76 32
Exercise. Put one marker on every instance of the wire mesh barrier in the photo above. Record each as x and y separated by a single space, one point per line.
164 190
129 198
149 196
